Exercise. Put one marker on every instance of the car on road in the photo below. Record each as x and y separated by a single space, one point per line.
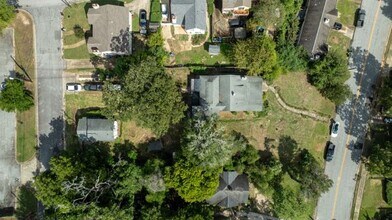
330 151
74 87
143 21
335 129
93 87
360 17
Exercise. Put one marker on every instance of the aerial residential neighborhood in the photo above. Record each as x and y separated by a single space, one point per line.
196 109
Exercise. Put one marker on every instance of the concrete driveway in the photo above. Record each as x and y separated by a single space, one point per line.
9 168
368 45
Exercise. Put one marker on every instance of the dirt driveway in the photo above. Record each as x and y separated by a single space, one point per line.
136 5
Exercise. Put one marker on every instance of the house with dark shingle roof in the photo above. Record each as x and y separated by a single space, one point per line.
190 14
237 7
233 190
97 129
111 27
215 93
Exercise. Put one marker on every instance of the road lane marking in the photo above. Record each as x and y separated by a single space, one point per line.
353 112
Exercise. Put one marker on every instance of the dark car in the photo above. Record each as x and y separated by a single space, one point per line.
360 17
93 87
143 21
330 151
337 26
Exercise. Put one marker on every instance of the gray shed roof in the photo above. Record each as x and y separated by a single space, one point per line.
190 13
236 3
110 29
229 93
96 129
233 190
213 49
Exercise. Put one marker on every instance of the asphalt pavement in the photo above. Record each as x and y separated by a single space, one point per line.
9 168
368 47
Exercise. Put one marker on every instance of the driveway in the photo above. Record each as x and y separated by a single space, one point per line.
368 45
9 168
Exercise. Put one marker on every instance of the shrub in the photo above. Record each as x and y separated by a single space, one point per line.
78 31
198 38
388 192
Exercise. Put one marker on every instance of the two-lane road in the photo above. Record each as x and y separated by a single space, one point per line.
368 45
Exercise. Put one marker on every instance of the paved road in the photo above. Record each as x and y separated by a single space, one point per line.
368 44
50 65
9 169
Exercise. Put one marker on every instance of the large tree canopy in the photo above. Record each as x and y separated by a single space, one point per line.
380 159
6 14
205 144
149 96
258 55
329 74
192 182
15 97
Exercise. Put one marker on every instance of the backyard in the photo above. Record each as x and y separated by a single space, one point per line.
200 55
26 139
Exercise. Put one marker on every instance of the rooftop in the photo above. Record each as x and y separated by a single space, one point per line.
190 13
96 129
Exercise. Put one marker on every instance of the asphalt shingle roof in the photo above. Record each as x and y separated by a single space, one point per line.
236 3
96 129
190 13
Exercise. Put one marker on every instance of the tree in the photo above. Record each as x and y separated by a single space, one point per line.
264 174
153 181
292 58
329 74
268 13
78 31
6 14
15 97
388 192
192 182
380 160
149 96
243 159
386 95
205 144
258 55
288 205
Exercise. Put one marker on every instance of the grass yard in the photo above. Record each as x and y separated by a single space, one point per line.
75 15
347 10
26 139
155 12
267 130
338 40
77 53
198 55
135 22
372 199
295 90
71 39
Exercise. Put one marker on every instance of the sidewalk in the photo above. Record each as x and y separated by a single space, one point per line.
359 195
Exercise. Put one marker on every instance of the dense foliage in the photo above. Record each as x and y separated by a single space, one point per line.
288 205
329 74
380 159
6 14
15 97
258 56
268 14
385 95
149 96
388 192
78 31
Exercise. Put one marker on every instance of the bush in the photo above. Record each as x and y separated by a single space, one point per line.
210 7
388 192
78 31
198 38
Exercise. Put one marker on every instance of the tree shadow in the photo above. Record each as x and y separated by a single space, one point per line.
287 149
122 43
27 203
386 8
52 143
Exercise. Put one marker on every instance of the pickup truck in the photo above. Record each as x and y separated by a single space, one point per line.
360 17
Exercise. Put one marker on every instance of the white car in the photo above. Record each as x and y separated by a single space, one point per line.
164 12
74 87
335 129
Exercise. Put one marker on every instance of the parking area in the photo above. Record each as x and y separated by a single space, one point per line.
9 168
136 5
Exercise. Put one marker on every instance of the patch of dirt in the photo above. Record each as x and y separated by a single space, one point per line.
220 24
136 5
135 134
180 75
263 204
24 18
172 42
375 182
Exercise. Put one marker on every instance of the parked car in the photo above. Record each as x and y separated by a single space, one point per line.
330 151
93 87
73 87
360 17
337 26
143 21
335 129
164 12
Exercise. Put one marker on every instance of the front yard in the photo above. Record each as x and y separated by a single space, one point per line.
347 10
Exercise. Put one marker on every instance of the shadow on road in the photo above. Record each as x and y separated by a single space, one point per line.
386 9
52 143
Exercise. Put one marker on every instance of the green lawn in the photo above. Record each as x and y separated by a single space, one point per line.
75 15
26 139
135 22
155 12
77 53
338 40
347 10
198 55
279 122
297 92
372 199
71 39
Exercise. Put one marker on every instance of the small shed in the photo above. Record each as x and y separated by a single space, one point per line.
240 33
214 49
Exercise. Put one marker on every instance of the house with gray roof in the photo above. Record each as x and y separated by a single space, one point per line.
111 27
215 93
190 14
237 7
233 190
97 129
